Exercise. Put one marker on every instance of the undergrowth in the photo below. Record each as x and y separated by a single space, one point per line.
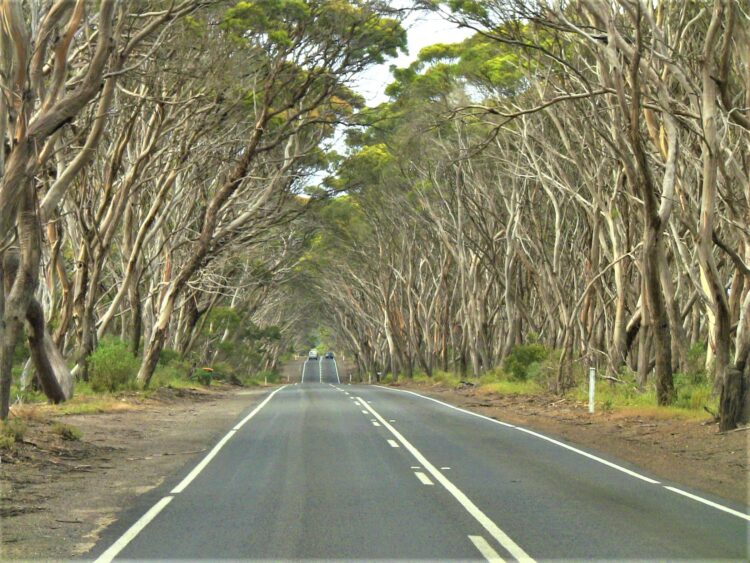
531 370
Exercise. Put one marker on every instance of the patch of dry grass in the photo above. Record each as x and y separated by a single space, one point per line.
659 413
92 405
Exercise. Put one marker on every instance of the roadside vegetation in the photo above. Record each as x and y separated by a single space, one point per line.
530 371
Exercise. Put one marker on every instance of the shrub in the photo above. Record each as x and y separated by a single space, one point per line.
172 373
446 378
693 397
67 432
168 356
112 367
270 376
696 363
420 377
11 431
522 358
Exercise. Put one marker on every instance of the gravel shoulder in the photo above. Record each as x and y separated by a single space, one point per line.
58 495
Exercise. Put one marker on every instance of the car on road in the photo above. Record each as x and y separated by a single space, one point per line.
312 354
329 355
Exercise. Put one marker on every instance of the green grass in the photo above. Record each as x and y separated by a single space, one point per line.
510 387
66 431
692 393
11 431
92 405
439 377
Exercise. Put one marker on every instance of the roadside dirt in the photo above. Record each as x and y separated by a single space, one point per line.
691 452
57 495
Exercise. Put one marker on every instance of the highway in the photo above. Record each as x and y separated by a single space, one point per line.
323 470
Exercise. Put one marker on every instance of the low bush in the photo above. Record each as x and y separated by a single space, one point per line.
174 374
66 432
168 356
510 387
695 370
694 397
112 367
420 377
520 361
446 378
11 431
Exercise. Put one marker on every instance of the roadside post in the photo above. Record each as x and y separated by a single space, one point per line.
592 384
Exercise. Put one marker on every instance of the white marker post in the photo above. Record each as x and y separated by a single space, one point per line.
592 383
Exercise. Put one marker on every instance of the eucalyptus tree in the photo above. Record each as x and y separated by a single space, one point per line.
56 58
297 58
672 74
574 173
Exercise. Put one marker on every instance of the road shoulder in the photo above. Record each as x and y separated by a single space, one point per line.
58 495
689 452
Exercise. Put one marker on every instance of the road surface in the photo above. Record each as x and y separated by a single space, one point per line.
323 470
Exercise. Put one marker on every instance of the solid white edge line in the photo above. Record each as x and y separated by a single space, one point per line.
393 444
585 454
256 409
590 456
536 434
424 479
304 367
709 503
206 460
486 549
501 537
133 531
338 379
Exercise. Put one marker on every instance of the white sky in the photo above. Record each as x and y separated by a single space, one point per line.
423 29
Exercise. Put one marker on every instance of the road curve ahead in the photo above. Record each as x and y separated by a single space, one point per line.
327 471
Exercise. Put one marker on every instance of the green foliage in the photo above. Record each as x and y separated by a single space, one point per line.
468 7
447 378
511 387
174 373
112 367
284 24
520 361
28 395
693 390
694 397
66 432
168 356
21 351
260 378
696 364
11 431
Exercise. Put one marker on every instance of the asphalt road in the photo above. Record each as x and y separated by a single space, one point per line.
327 471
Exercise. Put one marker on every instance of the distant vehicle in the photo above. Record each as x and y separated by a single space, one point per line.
329 355
312 354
